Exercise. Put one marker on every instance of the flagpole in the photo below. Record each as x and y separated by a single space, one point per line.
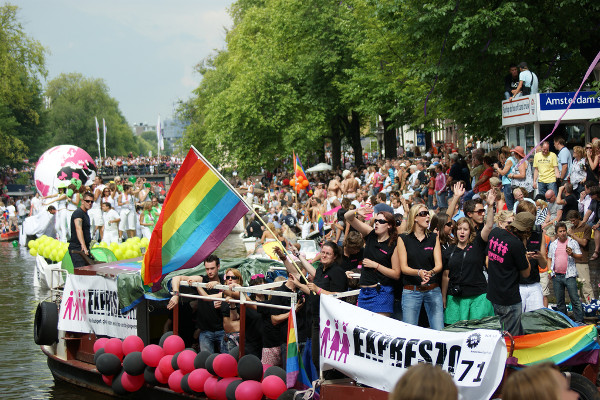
98 141
226 182
104 128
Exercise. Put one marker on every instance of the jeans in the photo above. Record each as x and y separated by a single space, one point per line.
229 342
430 201
442 200
560 282
510 318
544 187
411 306
211 341
508 196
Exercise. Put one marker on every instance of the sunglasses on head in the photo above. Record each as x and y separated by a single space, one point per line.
381 221
235 278
423 214
256 276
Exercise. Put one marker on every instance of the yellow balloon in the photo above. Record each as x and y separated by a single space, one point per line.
31 244
33 252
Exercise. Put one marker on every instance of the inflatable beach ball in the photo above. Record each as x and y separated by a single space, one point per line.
63 163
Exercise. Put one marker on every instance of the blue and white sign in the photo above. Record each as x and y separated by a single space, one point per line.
560 101
420 138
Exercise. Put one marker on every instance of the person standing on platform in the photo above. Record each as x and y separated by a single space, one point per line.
80 231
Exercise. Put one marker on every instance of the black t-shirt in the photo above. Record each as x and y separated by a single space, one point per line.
506 258
210 318
352 261
254 230
510 83
281 301
289 220
456 172
533 244
381 253
271 333
571 204
466 267
85 225
420 256
333 280
422 178
254 332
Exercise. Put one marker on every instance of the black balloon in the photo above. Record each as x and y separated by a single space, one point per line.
163 337
274 370
174 361
200 360
98 354
133 363
108 364
209 363
149 376
117 387
235 352
287 395
184 384
250 368
230 391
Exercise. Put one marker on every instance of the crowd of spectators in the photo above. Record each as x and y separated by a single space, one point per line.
138 165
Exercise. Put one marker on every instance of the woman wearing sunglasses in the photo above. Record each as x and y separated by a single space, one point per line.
464 285
380 260
230 313
421 267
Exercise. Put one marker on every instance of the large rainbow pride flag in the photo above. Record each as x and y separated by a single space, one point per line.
296 376
555 346
199 212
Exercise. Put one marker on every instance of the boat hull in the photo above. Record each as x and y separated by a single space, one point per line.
6 237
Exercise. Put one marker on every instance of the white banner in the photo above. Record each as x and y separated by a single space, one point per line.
90 304
375 350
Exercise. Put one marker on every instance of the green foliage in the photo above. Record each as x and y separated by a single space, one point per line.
74 102
22 64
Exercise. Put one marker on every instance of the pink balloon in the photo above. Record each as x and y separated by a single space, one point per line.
266 367
165 365
197 379
152 354
160 377
222 387
100 343
225 365
175 381
173 344
132 383
273 386
210 387
114 346
132 343
108 379
185 361
249 390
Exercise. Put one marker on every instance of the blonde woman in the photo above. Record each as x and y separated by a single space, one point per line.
421 269
578 171
504 218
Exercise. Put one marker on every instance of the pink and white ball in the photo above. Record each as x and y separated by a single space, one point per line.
63 163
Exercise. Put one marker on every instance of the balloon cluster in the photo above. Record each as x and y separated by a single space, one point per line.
130 248
126 365
48 247
300 182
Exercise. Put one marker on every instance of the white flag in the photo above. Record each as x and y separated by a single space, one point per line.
159 136
104 127
98 137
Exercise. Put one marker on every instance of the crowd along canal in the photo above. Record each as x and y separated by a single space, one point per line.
23 370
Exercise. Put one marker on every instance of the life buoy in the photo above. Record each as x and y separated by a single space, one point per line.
45 326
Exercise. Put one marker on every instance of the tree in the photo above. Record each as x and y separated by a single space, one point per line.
22 64
74 102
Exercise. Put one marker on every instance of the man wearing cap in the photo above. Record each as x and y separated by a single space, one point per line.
528 82
507 262
545 170
562 254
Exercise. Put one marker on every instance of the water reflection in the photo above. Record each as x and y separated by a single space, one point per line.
23 369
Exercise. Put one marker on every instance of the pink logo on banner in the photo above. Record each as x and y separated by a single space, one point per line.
75 306
333 342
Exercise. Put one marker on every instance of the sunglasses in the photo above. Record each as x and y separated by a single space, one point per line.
480 212
423 214
449 224
235 278
255 276
381 221
88 201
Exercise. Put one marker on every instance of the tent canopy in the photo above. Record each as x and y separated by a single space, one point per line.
319 167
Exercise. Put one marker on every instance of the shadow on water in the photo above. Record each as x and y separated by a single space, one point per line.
23 370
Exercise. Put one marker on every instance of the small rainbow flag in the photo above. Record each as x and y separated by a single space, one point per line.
320 223
555 346
296 376
199 212
298 172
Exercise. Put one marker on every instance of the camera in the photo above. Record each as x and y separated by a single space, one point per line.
454 290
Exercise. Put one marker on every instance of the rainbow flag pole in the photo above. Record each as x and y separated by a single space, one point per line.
296 375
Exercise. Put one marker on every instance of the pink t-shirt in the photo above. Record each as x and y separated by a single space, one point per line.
561 258
440 182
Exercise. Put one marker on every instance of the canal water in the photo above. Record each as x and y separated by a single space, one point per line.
23 370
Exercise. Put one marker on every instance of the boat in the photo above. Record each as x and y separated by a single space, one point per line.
9 236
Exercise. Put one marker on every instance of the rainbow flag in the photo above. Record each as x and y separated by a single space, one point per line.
320 223
298 172
199 212
555 346
296 376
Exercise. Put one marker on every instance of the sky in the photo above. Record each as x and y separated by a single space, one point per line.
145 50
